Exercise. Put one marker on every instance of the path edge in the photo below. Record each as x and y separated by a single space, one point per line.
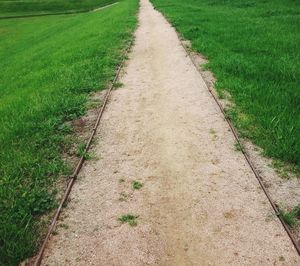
72 178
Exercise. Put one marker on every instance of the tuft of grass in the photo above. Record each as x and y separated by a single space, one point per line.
285 170
292 218
49 66
212 131
296 211
80 149
253 51
129 218
118 85
55 232
94 103
288 218
63 225
281 258
136 185
81 152
238 146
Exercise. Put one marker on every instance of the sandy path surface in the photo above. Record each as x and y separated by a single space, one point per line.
199 205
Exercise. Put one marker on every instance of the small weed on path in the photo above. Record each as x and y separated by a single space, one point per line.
281 258
137 185
129 218
213 133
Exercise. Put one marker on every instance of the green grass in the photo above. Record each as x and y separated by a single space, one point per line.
238 146
292 218
136 185
36 7
81 151
253 50
49 65
128 218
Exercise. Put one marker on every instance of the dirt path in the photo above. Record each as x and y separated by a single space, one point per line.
199 205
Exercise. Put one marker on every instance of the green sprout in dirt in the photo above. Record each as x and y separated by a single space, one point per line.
129 218
55 232
238 146
118 85
291 218
136 185
94 103
63 225
284 169
213 133
81 152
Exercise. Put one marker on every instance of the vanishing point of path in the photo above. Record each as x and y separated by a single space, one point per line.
200 204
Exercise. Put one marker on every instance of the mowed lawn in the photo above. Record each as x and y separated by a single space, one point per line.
35 7
48 67
253 49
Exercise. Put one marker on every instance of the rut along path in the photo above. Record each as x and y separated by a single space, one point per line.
200 204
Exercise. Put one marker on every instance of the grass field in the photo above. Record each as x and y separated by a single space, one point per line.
253 50
34 7
48 65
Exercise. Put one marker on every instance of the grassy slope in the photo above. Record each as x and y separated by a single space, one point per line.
48 66
29 7
253 48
